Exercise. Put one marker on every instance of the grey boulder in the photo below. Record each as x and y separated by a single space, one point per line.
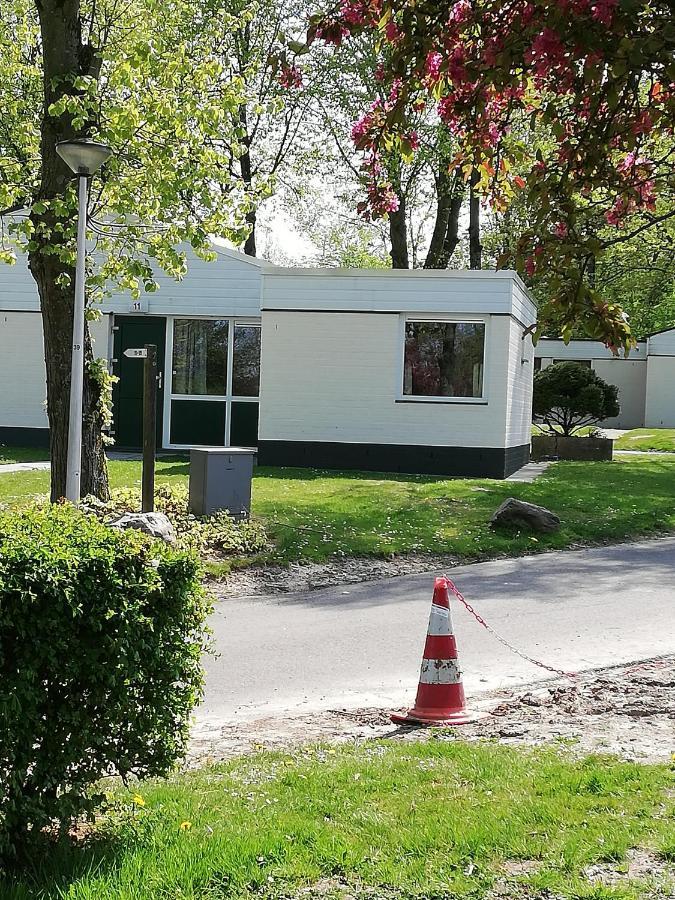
153 523
518 512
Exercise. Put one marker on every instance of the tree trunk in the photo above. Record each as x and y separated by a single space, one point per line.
398 235
475 248
445 236
64 56
247 177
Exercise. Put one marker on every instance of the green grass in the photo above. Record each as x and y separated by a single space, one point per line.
646 439
318 514
410 820
584 431
23 454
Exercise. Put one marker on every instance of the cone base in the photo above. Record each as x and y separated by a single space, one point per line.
433 717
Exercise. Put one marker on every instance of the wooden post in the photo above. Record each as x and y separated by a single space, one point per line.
149 428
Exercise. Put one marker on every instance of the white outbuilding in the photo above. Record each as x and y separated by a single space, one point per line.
645 378
408 371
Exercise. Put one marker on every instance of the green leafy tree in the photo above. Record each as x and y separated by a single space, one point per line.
568 396
148 78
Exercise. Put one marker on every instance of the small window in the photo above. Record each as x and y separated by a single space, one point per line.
200 357
580 362
537 364
246 361
444 359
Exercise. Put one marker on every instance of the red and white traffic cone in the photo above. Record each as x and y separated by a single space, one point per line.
440 693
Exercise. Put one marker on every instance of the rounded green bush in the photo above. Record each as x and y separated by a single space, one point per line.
101 636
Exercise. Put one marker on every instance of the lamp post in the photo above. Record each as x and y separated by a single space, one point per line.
84 158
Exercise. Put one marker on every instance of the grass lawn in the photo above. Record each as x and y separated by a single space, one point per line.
23 454
407 820
647 439
317 514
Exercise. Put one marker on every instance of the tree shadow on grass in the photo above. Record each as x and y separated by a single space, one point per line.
54 865
297 474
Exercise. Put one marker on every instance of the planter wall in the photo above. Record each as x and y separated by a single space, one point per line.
578 448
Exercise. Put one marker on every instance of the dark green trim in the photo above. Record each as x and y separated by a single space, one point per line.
16 436
471 462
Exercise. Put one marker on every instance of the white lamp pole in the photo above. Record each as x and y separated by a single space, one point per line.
84 158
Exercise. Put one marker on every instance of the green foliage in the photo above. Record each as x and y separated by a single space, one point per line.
163 97
568 396
101 636
213 534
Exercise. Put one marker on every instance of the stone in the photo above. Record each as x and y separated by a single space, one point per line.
155 524
518 512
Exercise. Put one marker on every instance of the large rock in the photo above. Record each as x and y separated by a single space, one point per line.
518 512
153 523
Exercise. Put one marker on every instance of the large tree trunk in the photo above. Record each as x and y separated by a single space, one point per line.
445 236
64 56
398 235
246 169
475 248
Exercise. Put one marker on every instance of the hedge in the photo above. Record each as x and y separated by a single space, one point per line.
101 636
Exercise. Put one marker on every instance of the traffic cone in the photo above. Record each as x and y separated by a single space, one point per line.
440 693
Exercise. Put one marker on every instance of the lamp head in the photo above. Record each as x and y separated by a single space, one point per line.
83 156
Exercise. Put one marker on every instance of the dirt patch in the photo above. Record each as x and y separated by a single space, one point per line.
639 866
627 710
298 577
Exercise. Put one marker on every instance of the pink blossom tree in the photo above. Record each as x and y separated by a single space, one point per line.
568 105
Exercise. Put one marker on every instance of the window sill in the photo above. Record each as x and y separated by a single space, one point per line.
455 401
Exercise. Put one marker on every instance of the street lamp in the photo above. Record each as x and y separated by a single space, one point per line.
85 158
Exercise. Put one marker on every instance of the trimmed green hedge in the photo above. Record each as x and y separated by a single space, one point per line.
101 636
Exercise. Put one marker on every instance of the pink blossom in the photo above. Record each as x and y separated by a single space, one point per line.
561 230
643 124
530 265
352 12
460 12
290 76
432 65
360 129
603 11
413 140
392 32
614 215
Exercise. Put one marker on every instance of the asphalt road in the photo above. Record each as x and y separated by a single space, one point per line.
361 645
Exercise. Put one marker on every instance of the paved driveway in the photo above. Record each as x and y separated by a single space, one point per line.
361 645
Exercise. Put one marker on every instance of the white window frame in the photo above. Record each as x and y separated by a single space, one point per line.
228 398
449 320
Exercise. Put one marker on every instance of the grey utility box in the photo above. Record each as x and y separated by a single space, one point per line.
220 479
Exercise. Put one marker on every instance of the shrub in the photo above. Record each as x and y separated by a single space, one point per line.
568 396
101 636
219 533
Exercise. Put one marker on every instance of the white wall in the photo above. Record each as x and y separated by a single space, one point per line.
550 349
230 285
660 406
23 390
337 377
630 376
381 290
519 387
662 344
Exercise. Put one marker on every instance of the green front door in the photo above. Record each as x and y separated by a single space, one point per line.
135 331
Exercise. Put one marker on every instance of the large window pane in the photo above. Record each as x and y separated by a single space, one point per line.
444 359
199 356
246 361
